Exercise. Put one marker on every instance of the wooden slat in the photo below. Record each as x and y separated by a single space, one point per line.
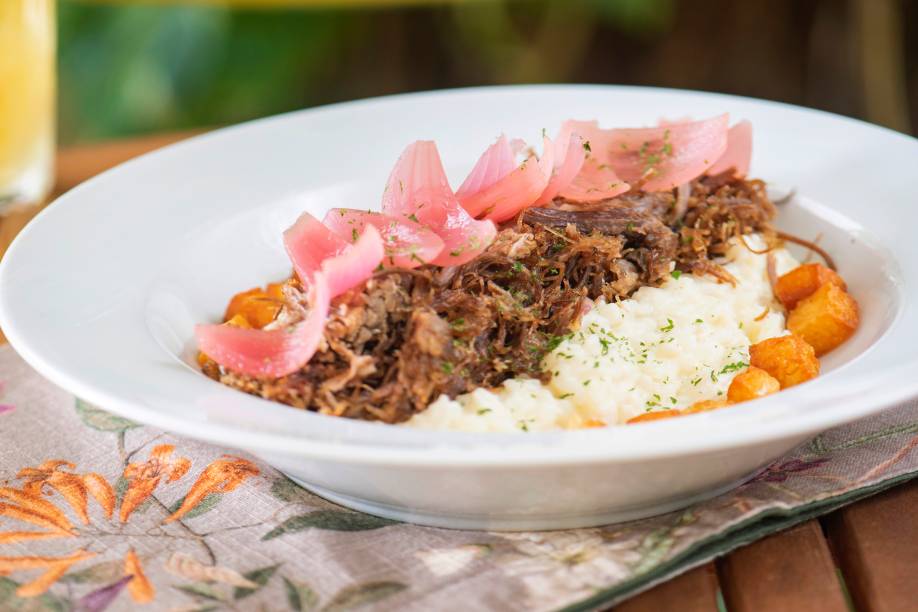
791 570
76 164
876 544
693 591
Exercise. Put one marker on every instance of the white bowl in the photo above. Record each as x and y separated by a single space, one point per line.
100 293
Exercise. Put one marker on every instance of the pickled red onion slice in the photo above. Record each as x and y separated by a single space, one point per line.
594 182
661 158
346 265
570 153
418 190
496 162
515 190
273 353
738 153
406 244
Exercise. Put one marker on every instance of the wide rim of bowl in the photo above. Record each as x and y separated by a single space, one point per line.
763 420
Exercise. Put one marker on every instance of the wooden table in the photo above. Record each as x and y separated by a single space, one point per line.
865 555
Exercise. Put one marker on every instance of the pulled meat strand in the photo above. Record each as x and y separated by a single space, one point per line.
812 246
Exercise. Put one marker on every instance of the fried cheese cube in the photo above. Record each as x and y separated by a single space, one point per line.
803 281
751 384
258 307
789 359
825 319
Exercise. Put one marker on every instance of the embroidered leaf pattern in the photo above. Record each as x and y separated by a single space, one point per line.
188 567
43 603
358 595
101 420
203 589
331 520
206 505
105 571
260 577
101 598
286 490
300 596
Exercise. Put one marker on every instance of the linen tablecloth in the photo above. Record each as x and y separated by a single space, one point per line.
98 512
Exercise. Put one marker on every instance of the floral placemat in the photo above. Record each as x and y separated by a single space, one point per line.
98 512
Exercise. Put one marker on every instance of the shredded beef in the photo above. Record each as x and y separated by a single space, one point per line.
408 336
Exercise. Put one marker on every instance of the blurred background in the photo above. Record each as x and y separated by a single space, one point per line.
129 68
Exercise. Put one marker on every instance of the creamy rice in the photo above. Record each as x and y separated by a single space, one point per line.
666 347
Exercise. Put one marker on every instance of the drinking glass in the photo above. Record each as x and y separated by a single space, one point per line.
27 91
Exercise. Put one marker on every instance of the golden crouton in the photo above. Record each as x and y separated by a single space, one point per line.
787 358
751 384
825 319
705 406
653 416
803 281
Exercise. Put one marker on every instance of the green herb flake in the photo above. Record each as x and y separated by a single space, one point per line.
733 367
483 411
669 325
676 274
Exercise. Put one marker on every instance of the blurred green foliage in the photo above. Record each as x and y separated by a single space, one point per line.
127 68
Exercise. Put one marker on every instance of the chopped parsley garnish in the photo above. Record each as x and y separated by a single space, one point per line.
457 324
586 146
676 274
605 346
517 266
565 395
447 367
696 381
587 382
456 252
698 321
483 411
733 367
669 325
555 341
413 217
354 234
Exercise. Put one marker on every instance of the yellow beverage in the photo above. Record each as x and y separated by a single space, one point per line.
27 89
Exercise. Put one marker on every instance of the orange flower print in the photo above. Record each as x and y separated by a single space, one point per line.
32 508
139 587
54 567
71 486
144 477
221 476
